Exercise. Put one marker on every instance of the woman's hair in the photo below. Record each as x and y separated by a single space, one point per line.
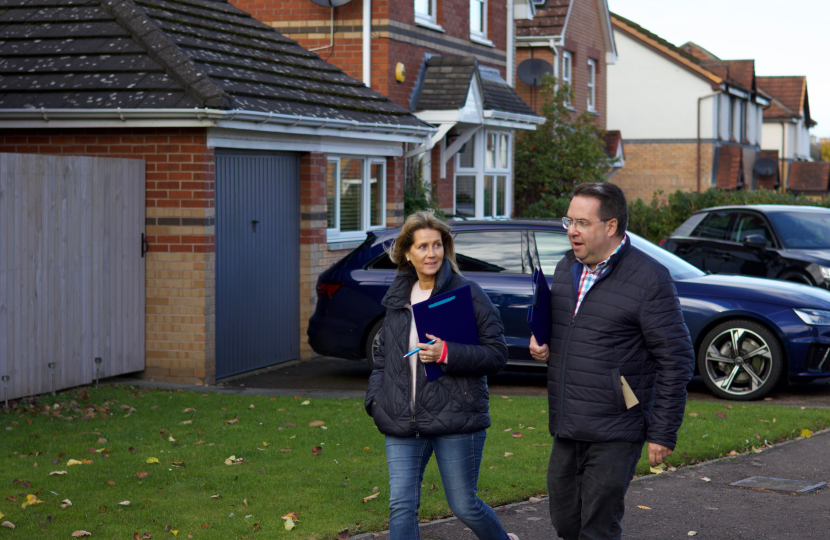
423 219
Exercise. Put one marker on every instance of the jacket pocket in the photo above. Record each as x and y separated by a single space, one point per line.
616 385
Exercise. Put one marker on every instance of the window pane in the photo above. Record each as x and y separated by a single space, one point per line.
351 194
504 146
566 68
477 16
465 195
551 247
488 195
466 157
423 7
376 180
714 226
489 251
491 151
749 224
501 195
331 186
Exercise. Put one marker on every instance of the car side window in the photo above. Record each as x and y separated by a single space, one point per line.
550 247
714 226
750 224
489 251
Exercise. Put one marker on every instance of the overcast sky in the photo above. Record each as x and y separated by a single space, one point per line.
783 37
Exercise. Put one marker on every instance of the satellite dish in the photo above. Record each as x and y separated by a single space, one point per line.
766 166
532 70
331 3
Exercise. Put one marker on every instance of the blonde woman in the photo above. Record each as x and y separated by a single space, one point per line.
448 416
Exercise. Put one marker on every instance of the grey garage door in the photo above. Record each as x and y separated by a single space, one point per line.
257 261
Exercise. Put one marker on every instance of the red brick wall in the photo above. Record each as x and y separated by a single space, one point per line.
669 167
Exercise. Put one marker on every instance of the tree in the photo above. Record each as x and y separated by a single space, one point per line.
557 156
825 150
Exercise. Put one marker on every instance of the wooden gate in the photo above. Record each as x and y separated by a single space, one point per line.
71 270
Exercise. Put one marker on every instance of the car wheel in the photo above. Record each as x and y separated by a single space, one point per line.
796 277
740 360
372 343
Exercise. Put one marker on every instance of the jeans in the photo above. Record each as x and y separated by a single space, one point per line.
587 482
459 458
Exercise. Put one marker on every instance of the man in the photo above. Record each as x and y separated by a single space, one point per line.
619 360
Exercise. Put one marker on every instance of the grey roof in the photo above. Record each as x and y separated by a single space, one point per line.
106 54
446 83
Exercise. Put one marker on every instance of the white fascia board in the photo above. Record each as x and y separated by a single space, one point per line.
437 117
735 92
762 101
319 132
539 41
512 120
241 139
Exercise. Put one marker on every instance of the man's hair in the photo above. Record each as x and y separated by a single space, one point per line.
612 203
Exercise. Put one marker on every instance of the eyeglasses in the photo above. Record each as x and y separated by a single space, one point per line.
580 224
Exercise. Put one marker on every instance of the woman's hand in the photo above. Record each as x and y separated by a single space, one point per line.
431 353
540 353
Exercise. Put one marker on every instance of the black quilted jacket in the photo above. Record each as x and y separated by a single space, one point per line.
629 324
458 402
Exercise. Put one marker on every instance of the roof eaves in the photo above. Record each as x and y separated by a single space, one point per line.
669 50
166 53
567 17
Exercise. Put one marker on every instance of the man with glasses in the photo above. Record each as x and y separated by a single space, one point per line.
619 360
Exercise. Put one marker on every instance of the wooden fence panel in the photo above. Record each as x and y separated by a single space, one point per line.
71 271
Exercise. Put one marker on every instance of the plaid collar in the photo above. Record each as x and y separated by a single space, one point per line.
589 277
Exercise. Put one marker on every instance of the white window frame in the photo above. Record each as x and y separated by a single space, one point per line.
480 35
429 20
567 70
481 172
334 234
592 85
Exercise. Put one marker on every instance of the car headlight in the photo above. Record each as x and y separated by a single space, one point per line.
825 272
818 317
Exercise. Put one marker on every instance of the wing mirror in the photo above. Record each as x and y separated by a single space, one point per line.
755 241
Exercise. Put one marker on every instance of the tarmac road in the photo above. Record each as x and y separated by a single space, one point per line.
334 374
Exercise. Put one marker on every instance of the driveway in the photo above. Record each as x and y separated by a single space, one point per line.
347 375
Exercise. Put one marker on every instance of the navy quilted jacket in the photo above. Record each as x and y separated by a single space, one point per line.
458 402
629 324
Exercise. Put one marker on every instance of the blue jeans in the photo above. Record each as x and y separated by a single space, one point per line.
459 458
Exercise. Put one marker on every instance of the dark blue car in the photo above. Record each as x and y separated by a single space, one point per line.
749 333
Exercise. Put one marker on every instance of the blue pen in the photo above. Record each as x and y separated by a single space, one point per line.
410 353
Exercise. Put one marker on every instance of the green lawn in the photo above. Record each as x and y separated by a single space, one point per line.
204 498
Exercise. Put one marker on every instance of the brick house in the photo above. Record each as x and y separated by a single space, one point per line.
691 120
243 133
401 49
787 120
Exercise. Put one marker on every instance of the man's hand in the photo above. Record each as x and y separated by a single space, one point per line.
540 353
657 453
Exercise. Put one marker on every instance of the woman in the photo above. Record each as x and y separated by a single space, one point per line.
447 416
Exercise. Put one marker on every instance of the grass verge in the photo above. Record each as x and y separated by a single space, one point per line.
286 464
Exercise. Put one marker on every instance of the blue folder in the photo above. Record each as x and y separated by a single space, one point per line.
538 314
449 316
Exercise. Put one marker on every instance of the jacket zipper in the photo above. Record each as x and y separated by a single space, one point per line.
412 422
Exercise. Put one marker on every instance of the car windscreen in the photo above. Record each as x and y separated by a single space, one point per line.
802 230
677 267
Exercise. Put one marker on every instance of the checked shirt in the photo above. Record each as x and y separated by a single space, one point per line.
589 277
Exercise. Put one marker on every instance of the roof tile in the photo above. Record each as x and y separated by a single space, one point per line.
810 177
730 167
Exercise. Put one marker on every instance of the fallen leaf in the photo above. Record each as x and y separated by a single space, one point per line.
660 469
177 464
245 502
285 450
7 524
370 497
316 423
234 421
516 435
343 535
806 433
197 443
643 507
87 461
214 496
124 503
142 474
720 414
256 525
233 460
31 500
705 479
110 482
693 414
251 406
508 454
692 533
264 443
152 460
101 440
306 402
190 409
77 534
12 498
57 472
534 500
316 450
732 453
73 462
131 450
186 422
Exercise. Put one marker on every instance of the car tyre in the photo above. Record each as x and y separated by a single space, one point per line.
749 374
797 277
372 342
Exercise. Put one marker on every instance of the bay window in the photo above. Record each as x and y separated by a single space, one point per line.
483 176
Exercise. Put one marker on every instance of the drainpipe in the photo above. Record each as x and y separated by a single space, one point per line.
367 43
699 100
785 183
510 50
